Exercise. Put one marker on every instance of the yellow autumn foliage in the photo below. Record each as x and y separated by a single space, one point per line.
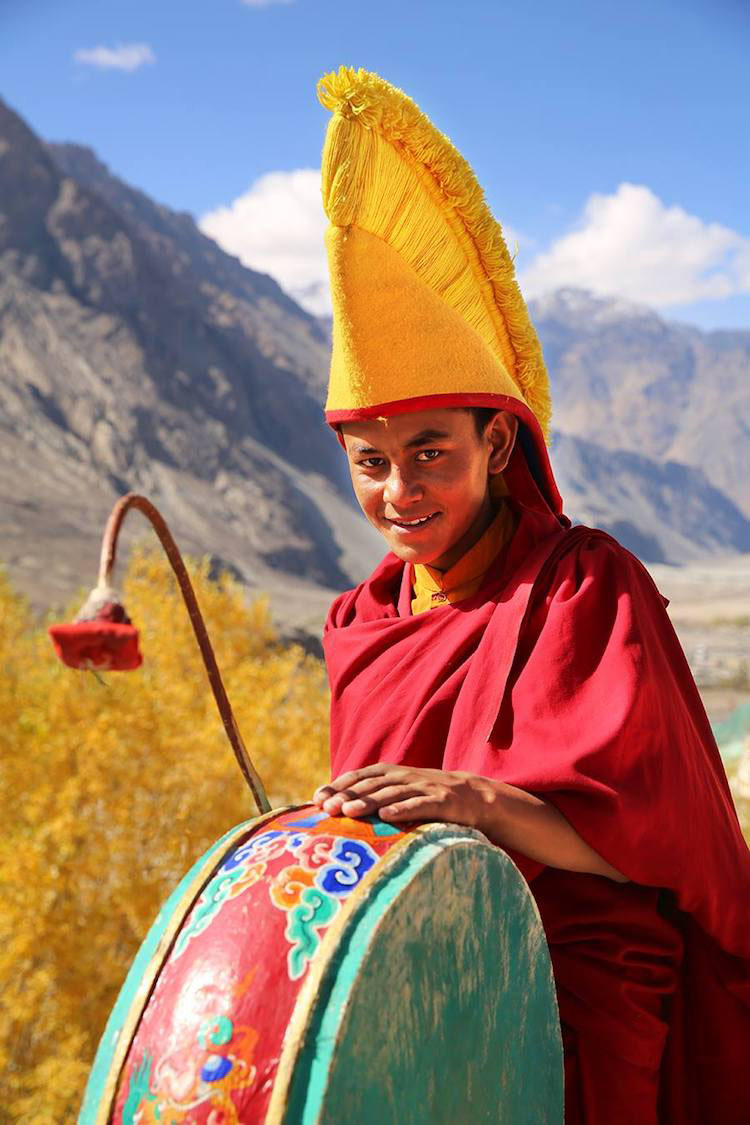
111 788
741 796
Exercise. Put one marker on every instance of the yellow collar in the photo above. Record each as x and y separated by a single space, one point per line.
433 587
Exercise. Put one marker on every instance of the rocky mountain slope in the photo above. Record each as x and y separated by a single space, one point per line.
135 354
626 379
240 298
664 511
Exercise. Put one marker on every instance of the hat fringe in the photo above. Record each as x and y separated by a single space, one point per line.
380 150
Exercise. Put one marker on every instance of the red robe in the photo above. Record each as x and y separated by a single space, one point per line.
563 676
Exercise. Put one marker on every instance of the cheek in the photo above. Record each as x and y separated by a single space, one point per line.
461 489
367 493
458 479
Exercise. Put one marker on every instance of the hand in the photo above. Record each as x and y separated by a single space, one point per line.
399 793
508 816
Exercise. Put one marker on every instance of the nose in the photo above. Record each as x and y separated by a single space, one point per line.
401 488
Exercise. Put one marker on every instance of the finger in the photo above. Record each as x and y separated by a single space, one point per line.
364 788
351 777
322 793
357 805
375 769
334 802
417 807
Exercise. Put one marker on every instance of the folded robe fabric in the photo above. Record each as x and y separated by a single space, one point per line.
563 676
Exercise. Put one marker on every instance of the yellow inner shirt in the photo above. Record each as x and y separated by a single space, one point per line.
433 587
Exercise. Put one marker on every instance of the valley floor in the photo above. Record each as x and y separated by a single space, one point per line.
710 609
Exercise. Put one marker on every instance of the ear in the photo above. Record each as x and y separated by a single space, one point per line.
501 433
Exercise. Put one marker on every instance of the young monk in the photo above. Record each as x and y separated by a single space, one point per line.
502 670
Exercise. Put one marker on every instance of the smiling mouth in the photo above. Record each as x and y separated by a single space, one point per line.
415 524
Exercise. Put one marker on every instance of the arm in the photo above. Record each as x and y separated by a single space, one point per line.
508 816
516 819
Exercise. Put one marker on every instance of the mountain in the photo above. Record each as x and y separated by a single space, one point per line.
663 511
626 379
244 298
135 354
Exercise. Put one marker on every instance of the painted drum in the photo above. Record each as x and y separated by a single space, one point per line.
315 969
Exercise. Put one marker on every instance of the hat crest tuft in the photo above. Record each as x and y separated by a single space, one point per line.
389 172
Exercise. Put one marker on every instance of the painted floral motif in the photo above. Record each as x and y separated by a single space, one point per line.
327 869
204 1071
207 1047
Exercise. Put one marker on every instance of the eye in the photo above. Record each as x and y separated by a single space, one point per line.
368 462
430 454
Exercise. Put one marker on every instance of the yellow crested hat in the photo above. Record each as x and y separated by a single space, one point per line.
426 308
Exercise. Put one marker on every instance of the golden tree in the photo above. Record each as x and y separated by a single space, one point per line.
739 786
111 787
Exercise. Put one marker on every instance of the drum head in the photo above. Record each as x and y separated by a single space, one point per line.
437 1004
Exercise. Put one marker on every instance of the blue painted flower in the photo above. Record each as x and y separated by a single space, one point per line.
215 1068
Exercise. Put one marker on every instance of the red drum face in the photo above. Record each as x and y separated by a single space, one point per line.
207 1048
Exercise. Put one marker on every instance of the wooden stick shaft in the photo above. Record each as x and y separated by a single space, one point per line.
107 562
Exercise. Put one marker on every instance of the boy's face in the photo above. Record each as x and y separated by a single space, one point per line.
430 463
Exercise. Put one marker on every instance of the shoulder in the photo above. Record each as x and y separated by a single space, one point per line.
340 609
591 560
593 587
597 618
369 600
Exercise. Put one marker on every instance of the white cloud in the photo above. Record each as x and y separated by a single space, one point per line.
126 56
628 244
277 227
632 245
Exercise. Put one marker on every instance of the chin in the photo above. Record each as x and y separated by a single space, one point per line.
422 555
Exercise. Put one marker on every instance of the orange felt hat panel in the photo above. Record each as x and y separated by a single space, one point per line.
393 336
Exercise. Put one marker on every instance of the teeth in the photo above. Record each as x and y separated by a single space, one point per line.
412 523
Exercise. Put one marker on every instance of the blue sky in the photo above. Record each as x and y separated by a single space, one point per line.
611 139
